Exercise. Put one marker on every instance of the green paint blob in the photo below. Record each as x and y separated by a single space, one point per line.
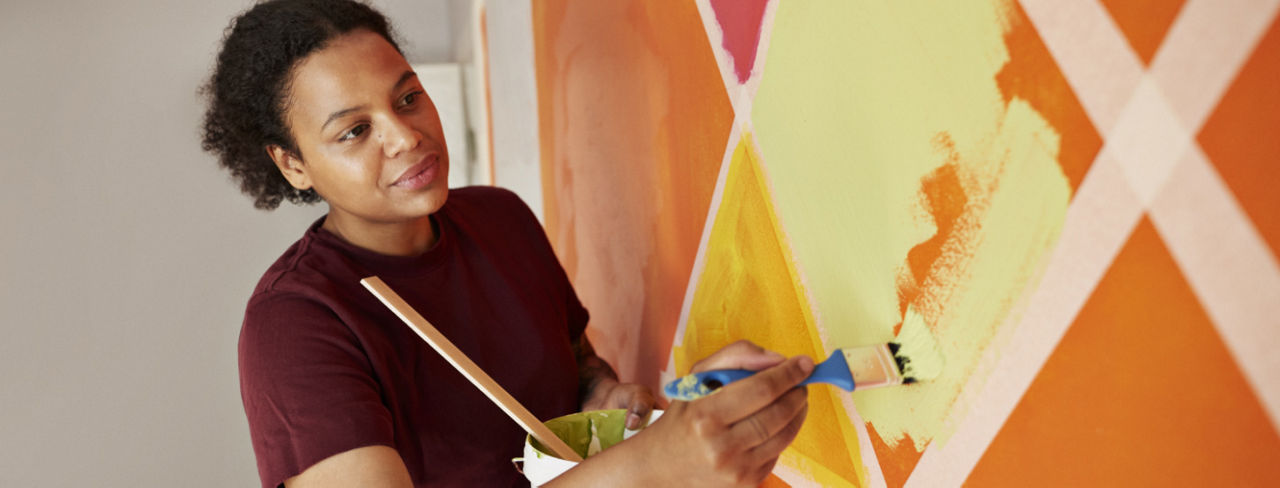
587 433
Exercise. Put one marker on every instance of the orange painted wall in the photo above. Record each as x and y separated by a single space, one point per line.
634 124
637 116
1141 389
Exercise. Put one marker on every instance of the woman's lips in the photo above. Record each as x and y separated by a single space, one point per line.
419 175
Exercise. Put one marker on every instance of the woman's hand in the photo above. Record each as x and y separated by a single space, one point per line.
730 438
609 393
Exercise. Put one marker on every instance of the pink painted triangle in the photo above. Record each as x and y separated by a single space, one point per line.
740 22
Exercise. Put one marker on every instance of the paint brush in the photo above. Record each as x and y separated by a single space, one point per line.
913 356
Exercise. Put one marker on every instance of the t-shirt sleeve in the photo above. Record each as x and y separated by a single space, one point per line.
307 386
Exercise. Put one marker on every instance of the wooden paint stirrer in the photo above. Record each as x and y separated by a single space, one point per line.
469 369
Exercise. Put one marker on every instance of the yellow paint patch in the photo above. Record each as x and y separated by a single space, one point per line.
749 290
901 176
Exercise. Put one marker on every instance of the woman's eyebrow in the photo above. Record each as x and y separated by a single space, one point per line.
409 74
339 114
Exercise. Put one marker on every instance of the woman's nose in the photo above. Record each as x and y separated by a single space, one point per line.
399 136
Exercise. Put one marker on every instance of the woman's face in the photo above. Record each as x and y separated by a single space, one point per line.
369 137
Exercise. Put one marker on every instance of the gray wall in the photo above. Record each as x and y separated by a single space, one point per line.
126 256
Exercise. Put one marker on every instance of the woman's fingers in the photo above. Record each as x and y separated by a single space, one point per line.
739 355
731 438
743 398
640 406
767 423
637 399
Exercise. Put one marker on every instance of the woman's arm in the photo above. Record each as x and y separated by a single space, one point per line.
599 389
371 466
591 368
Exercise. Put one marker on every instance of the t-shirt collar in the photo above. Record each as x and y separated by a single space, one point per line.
384 264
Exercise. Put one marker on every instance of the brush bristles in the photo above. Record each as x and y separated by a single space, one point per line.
903 362
916 350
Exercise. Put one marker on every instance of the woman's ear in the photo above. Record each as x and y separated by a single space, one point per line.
291 166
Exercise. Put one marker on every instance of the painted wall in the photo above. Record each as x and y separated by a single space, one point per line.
1076 196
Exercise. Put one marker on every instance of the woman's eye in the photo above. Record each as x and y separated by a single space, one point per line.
410 98
354 132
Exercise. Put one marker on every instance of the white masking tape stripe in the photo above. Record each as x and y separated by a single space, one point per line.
1204 50
1229 267
875 475
952 464
1092 53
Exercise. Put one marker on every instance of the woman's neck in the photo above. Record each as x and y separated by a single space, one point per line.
410 238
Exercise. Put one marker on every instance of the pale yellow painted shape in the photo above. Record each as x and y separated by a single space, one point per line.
854 98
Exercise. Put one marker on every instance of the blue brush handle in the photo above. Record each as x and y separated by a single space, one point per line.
834 371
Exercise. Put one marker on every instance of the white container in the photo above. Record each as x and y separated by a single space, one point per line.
584 432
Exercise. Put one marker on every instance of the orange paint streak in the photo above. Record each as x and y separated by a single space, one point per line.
634 120
1144 22
1032 75
942 196
1241 140
1141 391
896 463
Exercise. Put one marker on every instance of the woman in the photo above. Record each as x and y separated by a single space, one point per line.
312 100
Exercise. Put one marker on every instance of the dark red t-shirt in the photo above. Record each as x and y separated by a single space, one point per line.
326 368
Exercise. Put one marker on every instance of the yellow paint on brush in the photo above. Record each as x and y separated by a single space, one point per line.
861 105
749 289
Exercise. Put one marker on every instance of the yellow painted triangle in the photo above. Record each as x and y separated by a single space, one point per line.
750 289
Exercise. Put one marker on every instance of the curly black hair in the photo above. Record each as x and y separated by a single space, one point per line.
248 91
